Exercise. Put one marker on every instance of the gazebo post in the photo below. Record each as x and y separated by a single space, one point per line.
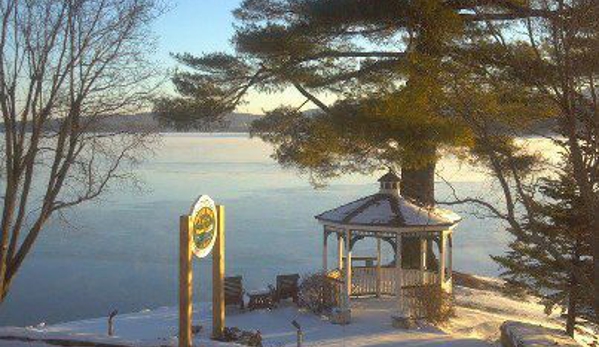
423 255
348 264
423 251
340 251
325 238
398 275
343 315
442 257
450 248
378 266
451 253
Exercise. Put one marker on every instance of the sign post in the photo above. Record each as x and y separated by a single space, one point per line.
218 276
200 232
185 282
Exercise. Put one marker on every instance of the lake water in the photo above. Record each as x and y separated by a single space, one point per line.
121 252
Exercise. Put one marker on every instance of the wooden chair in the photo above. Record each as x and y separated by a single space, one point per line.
287 287
234 291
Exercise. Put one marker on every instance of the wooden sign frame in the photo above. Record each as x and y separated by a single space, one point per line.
186 278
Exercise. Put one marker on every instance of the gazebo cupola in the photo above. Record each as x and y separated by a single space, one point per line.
421 239
390 184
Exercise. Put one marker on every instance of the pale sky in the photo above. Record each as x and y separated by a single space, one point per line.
202 26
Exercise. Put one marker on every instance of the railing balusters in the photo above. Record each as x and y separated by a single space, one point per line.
364 279
364 283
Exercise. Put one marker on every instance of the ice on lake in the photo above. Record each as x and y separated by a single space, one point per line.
121 252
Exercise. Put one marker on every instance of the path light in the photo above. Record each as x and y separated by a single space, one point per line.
300 334
111 322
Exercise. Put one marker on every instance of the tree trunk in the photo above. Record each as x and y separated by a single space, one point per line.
419 187
572 301
595 243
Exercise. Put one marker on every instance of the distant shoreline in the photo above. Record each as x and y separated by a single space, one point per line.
234 123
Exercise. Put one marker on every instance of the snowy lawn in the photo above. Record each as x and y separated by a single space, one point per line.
479 313
371 326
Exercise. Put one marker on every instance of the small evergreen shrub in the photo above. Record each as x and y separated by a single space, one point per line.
242 337
318 293
433 304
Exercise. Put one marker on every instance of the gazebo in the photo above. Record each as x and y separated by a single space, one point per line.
421 239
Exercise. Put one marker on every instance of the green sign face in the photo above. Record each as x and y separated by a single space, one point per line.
203 215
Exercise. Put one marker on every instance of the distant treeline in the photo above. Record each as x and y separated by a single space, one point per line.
234 122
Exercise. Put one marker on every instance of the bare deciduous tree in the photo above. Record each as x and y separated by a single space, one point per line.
65 67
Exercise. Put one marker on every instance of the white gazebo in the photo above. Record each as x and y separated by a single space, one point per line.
408 228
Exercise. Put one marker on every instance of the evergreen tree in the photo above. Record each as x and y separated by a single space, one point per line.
553 58
562 221
383 60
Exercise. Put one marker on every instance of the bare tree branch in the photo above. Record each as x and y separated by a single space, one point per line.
66 66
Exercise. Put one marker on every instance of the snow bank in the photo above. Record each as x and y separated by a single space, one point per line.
481 311
518 334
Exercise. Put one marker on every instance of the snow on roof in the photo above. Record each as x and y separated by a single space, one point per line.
388 210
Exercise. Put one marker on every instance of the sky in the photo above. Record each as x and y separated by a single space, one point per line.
202 26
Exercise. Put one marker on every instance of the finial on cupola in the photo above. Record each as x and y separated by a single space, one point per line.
390 183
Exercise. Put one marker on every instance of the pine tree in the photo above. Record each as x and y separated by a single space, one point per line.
561 221
384 61
554 57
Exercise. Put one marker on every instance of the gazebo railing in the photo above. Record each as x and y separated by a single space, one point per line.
364 280
415 277
364 283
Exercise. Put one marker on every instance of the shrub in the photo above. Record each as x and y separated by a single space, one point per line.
433 304
242 337
318 293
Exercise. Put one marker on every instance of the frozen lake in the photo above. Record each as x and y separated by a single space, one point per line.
121 252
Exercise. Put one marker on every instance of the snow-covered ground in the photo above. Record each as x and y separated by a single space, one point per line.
479 313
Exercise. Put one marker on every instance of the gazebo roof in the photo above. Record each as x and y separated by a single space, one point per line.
388 209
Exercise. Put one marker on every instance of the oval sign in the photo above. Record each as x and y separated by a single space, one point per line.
203 215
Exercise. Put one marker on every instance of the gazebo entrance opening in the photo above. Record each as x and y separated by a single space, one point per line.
420 240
